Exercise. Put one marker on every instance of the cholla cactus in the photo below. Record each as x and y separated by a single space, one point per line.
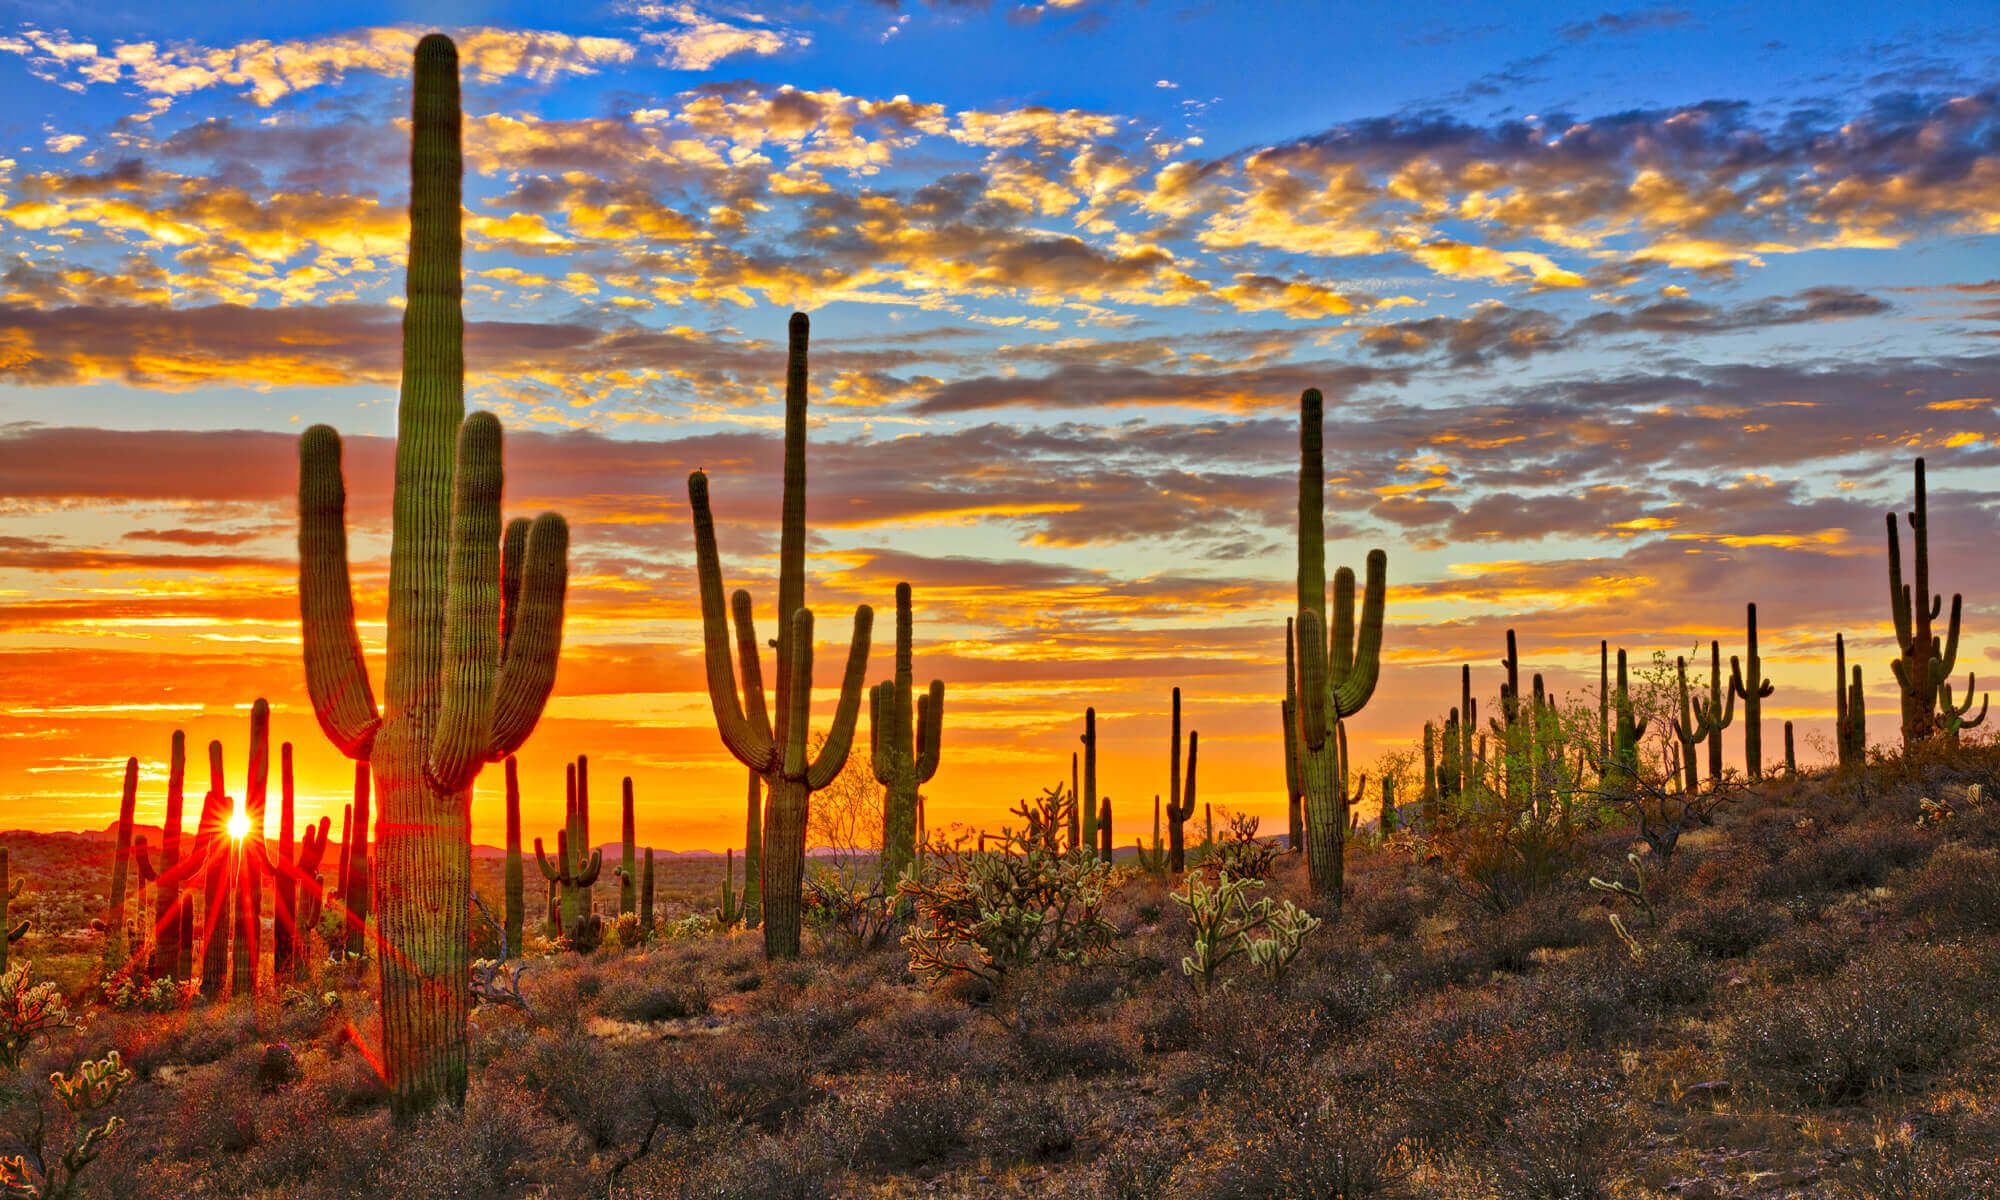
1228 923
52 1173
27 1011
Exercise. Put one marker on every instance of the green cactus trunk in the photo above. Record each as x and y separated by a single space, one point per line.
116 944
1075 806
1625 737
516 877
1104 832
167 896
777 751
628 857
1718 714
474 629
906 732
753 854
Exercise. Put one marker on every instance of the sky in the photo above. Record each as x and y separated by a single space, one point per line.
1626 317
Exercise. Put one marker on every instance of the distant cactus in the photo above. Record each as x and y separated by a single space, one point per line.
1686 731
1953 716
1428 802
646 892
515 879
249 878
778 751
1603 704
728 914
472 645
1180 793
358 888
10 891
1625 745
115 947
1339 662
577 865
1075 807
1850 709
1718 712
906 733
1090 804
311 897
1387 823
1154 862
1104 832
173 925
1746 679
1926 661
1791 757
286 931
753 856
628 856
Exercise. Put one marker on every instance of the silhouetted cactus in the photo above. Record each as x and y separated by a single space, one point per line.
753 856
1718 712
1746 679
1387 822
311 895
577 865
472 650
628 856
1791 757
173 926
1926 661
1180 793
10 891
1153 862
1090 805
1338 660
1288 714
1953 716
727 914
1429 800
1104 831
358 890
249 873
115 946
1850 709
1625 738
906 733
515 880
646 892
777 751
285 929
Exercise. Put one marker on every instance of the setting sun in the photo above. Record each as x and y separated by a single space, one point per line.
239 825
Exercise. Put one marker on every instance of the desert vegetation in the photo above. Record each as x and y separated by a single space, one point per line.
1568 953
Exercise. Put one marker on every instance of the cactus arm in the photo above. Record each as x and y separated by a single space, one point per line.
752 668
513 555
792 526
1901 606
796 706
840 734
472 608
930 730
1944 664
336 674
738 734
1312 492
588 873
881 748
528 668
553 874
1358 685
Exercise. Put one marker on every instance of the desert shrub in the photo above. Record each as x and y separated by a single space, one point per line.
1843 861
856 917
1037 1125
1559 1139
989 912
585 1081
768 1168
1344 988
1891 1011
278 1068
1723 929
1957 892
1313 1141
1509 941
1807 952
1164 1023
902 1124
1140 1168
1905 1164
1068 1049
481 1153
654 997
1240 852
1606 998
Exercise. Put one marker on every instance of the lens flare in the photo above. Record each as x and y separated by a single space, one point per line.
239 824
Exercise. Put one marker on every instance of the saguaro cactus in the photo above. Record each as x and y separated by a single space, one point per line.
217 879
1627 732
1926 661
516 878
1104 831
250 856
1089 804
1850 709
360 876
1746 679
778 751
286 934
1791 755
115 942
474 627
1338 663
10 891
171 926
311 893
577 865
1288 715
646 892
907 734
628 855
1718 712
753 855
1180 794
1686 730
1953 716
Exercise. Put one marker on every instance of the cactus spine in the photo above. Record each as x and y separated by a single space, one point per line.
1338 663
1747 680
1180 799
753 856
905 750
472 650
10 891
516 899
777 751
1926 661
628 857
115 941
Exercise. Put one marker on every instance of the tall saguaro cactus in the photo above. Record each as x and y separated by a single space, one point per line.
171 924
250 856
1288 716
1927 660
1746 679
115 942
778 751
1716 713
753 854
515 878
1338 663
628 854
1089 802
1180 794
907 733
474 626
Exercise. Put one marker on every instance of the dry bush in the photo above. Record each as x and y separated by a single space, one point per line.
1843 861
899 1123
1957 893
1561 1136
1727 928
